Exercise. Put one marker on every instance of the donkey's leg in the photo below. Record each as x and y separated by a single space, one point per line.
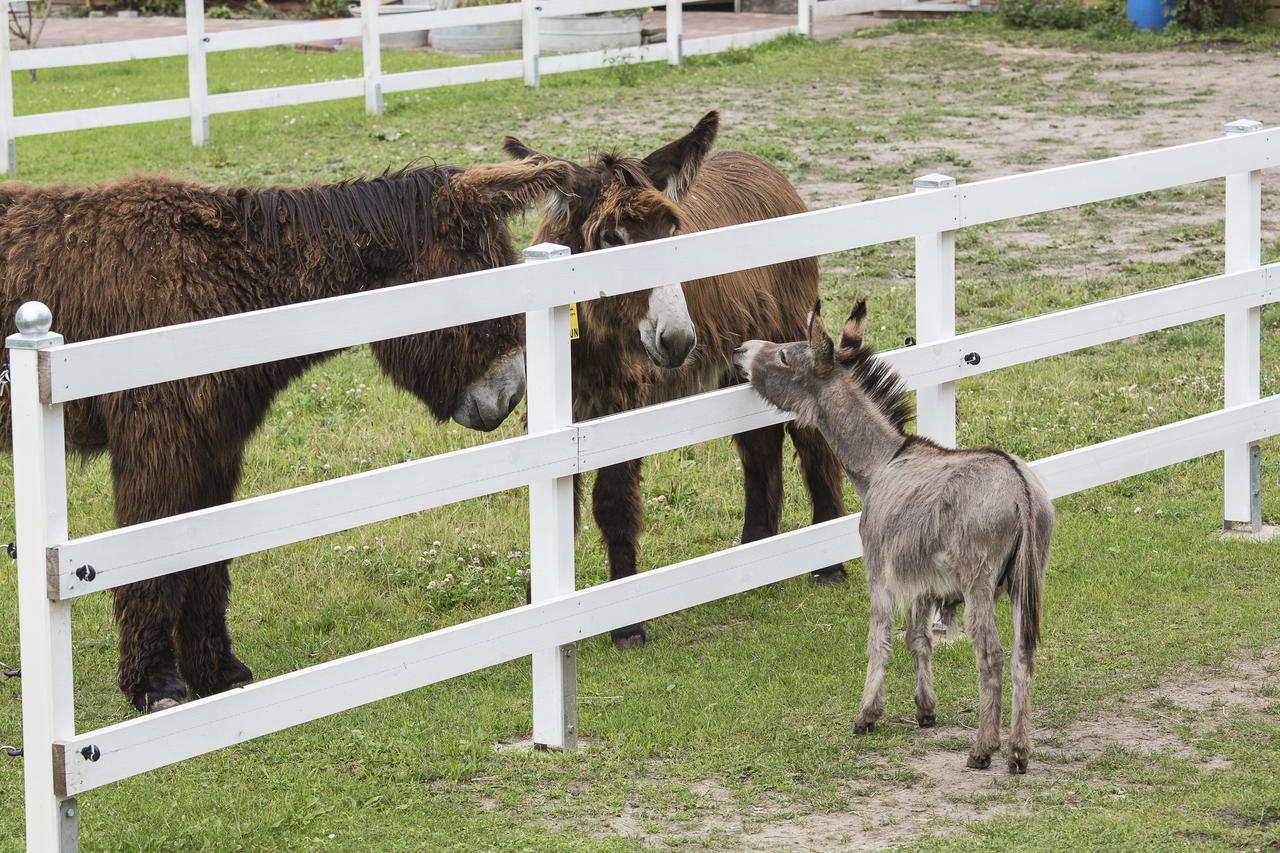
824 479
145 613
204 644
1022 667
879 645
619 512
920 642
148 483
761 453
980 625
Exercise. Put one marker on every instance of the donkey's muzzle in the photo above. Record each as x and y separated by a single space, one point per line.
485 403
667 332
742 359
674 345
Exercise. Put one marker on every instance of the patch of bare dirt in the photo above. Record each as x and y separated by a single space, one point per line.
944 796
1246 686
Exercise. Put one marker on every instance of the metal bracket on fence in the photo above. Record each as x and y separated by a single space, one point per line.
972 358
69 826
86 573
1255 487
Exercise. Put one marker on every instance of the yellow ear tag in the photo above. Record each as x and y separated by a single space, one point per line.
573 321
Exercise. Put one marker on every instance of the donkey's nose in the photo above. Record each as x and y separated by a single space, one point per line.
676 342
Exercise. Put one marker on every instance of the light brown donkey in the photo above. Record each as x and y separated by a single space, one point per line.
938 525
659 344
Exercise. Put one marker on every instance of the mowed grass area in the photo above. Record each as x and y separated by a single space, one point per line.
735 723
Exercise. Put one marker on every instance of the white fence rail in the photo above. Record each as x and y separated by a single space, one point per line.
62 763
372 85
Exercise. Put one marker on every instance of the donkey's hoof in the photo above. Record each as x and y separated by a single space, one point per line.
234 674
978 762
830 576
862 727
629 637
1018 758
237 675
162 704
926 719
172 691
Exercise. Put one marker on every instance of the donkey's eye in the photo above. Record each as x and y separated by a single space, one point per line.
610 239
782 357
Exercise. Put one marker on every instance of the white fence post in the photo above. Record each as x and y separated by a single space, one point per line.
197 78
40 505
7 146
371 43
675 32
804 15
936 317
935 320
529 40
1242 495
550 401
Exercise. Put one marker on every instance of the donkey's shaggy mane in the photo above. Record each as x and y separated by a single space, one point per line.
392 211
880 383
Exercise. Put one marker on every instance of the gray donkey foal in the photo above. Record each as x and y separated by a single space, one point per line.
938 527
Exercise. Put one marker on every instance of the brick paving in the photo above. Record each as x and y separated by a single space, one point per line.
68 31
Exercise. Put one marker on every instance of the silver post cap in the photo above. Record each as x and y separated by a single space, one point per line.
934 181
1242 125
34 320
546 251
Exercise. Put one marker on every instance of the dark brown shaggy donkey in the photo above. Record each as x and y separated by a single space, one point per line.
691 331
152 251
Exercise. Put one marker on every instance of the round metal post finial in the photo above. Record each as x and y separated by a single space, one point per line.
34 318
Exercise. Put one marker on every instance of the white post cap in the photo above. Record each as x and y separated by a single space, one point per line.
1242 125
545 252
934 181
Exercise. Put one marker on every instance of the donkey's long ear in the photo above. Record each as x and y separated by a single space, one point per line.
511 188
851 335
517 150
673 167
820 345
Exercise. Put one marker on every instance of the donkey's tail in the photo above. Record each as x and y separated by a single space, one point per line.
1026 578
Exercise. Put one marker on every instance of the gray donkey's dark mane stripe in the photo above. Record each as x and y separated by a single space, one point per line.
881 384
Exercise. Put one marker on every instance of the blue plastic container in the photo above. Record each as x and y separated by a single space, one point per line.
1149 14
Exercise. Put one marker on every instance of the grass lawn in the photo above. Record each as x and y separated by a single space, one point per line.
1157 719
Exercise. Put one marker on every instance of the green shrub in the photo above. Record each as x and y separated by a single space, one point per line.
1215 14
218 13
329 8
1046 14
1108 17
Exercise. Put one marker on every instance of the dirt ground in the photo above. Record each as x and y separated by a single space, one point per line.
943 796
1192 94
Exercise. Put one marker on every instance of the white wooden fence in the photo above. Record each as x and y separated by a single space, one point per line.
62 763
369 27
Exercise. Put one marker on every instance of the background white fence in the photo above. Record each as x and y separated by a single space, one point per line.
369 27
62 763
